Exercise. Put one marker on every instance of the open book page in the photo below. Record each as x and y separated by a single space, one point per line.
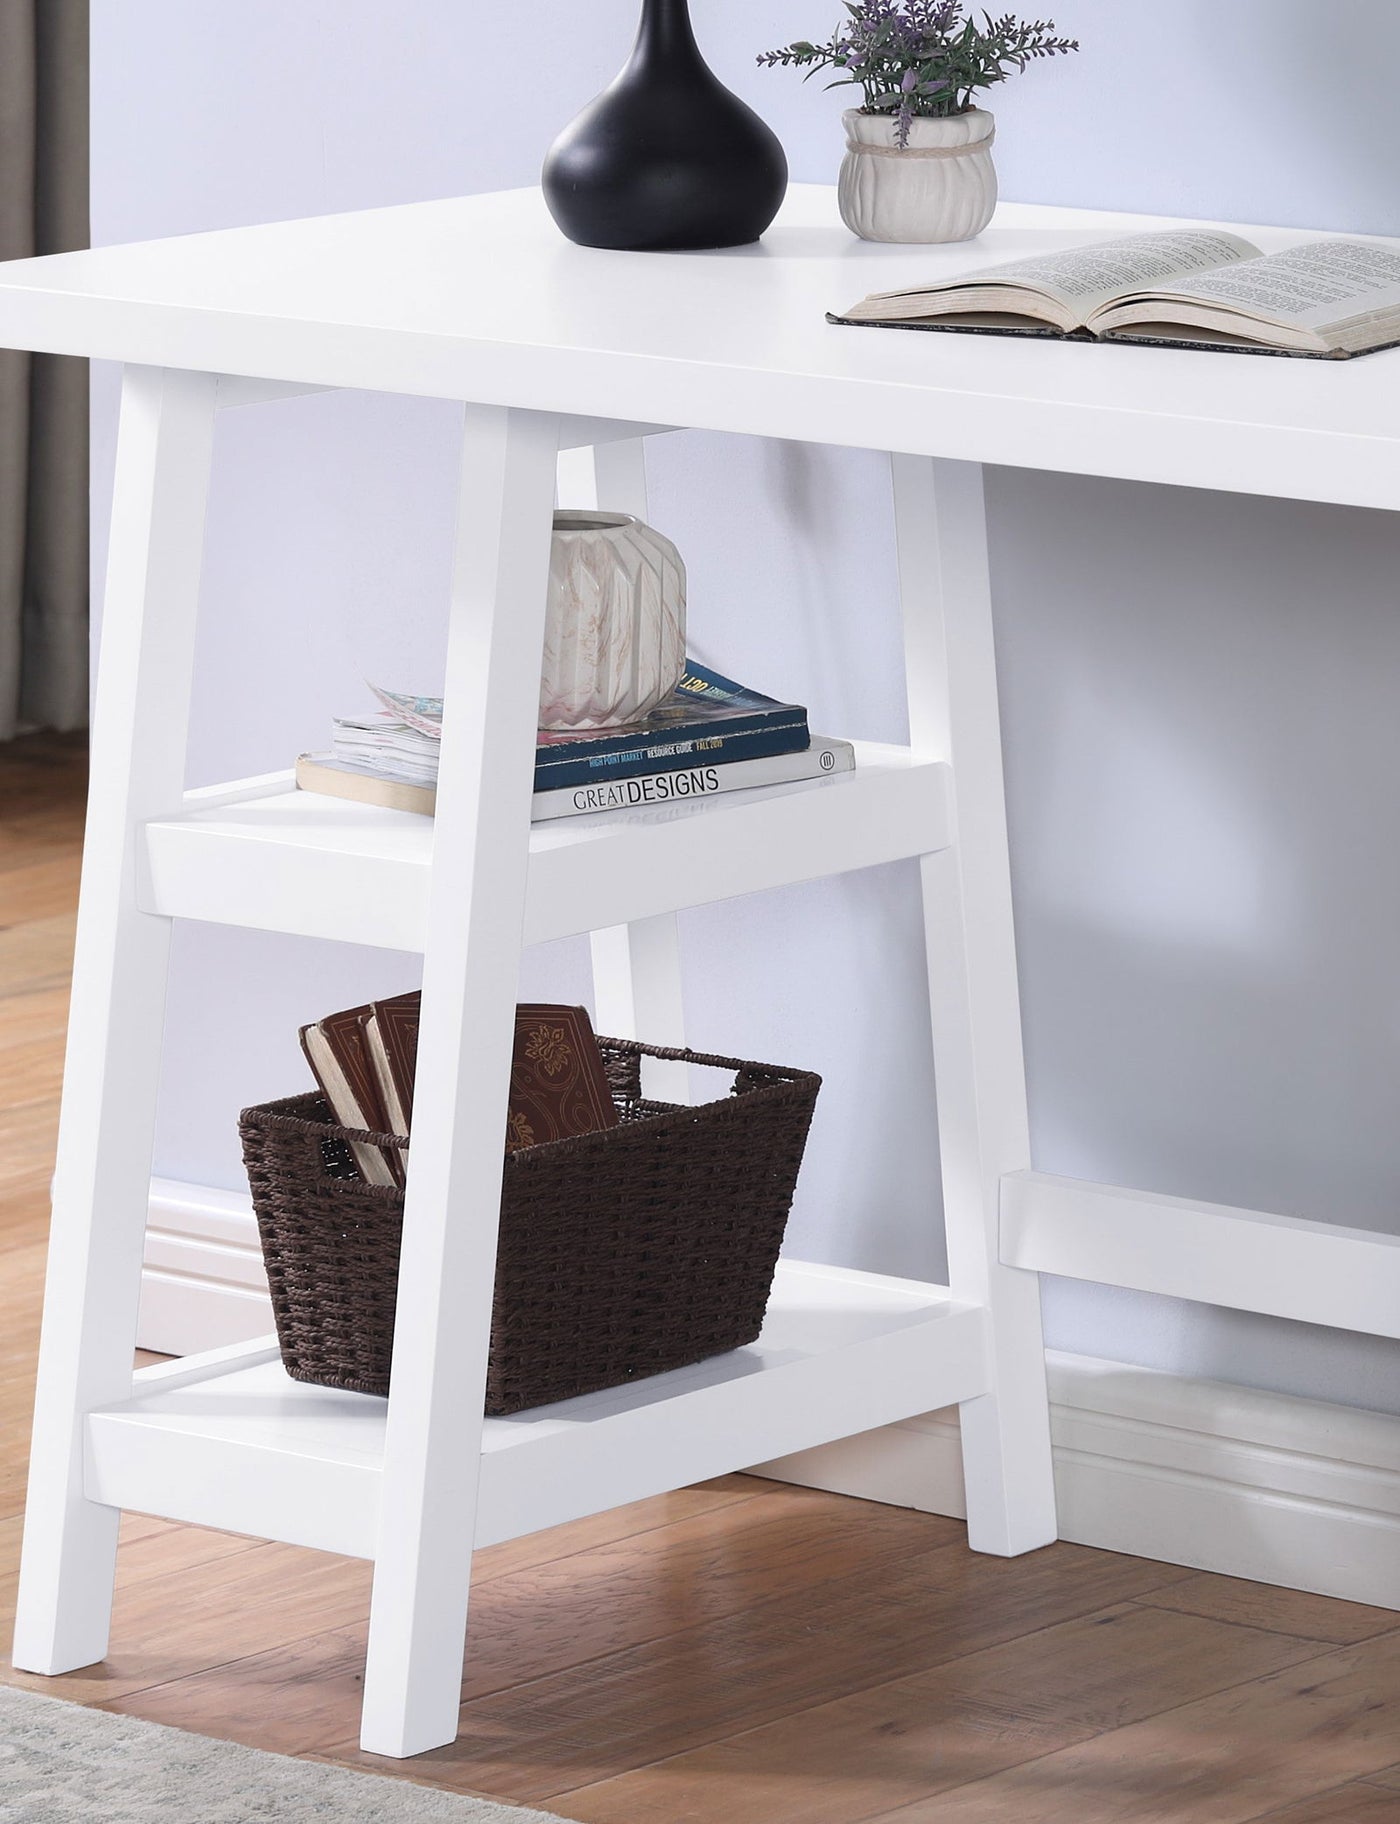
1064 289
1321 295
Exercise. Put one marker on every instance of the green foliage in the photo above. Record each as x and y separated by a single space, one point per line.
922 57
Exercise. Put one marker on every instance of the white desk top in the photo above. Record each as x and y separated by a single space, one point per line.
481 298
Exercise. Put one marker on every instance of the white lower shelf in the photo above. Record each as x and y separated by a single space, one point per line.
261 854
227 1440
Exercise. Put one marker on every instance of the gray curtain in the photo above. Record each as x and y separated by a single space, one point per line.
43 398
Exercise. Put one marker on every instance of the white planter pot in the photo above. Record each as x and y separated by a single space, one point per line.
942 187
614 644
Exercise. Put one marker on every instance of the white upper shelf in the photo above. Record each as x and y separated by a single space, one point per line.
261 854
481 298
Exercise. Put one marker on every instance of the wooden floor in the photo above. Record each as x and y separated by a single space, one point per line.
740 1653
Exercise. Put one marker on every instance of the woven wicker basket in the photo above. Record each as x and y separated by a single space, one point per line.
622 1253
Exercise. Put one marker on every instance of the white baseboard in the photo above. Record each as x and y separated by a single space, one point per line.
1256 1485
203 1286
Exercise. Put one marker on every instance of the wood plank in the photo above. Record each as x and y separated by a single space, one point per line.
1356 1804
1264 1605
287 1700
38 822
150 1549
24 1286
55 798
46 755
24 1275
36 834
38 954
940 1729
45 888
574 1606
698 1684
135 1528
201 1615
31 1078
28 1137
1265 1745
40 1014
555 1542
309 1690
641 1588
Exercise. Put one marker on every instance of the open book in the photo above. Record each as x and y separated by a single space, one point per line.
1201 287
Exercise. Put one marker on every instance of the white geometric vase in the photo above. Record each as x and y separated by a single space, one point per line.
942 186
614 643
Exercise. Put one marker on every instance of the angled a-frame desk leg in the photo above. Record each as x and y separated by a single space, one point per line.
974 1000
636 967
106 1132
476 907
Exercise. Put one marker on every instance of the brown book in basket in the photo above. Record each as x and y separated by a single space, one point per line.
392 1034
558 1083
337 1049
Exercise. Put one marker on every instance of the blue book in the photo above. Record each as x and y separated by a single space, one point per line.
707 719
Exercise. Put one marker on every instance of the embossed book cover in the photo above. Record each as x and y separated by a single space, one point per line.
558 1085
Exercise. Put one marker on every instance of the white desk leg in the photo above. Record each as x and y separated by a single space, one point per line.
637 995
637 967
102 1180
610 476
940 520
432 1455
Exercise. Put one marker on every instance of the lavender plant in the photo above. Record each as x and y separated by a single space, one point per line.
922 57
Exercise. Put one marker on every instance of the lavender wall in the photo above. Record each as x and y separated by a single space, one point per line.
1199 690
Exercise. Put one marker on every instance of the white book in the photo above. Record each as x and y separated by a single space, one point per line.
336 777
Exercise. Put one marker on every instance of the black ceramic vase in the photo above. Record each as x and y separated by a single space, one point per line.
666 157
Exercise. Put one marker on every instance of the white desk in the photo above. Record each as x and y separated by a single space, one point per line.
552 347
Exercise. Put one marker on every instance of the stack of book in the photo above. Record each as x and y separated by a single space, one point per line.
711 735
365 1061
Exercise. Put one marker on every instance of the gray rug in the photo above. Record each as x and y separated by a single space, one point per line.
60 1763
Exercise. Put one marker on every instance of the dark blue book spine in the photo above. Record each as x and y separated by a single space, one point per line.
728 724
555 770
